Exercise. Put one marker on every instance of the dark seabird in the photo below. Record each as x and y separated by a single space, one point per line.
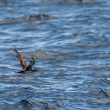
23 64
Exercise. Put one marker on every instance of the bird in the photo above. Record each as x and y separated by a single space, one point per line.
24 66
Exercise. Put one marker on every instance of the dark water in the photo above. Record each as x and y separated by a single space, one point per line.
71 45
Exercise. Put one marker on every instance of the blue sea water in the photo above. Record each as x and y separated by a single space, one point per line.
71 45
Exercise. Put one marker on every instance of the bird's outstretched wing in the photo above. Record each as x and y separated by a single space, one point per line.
21 59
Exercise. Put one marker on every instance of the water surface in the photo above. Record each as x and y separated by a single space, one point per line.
71 45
